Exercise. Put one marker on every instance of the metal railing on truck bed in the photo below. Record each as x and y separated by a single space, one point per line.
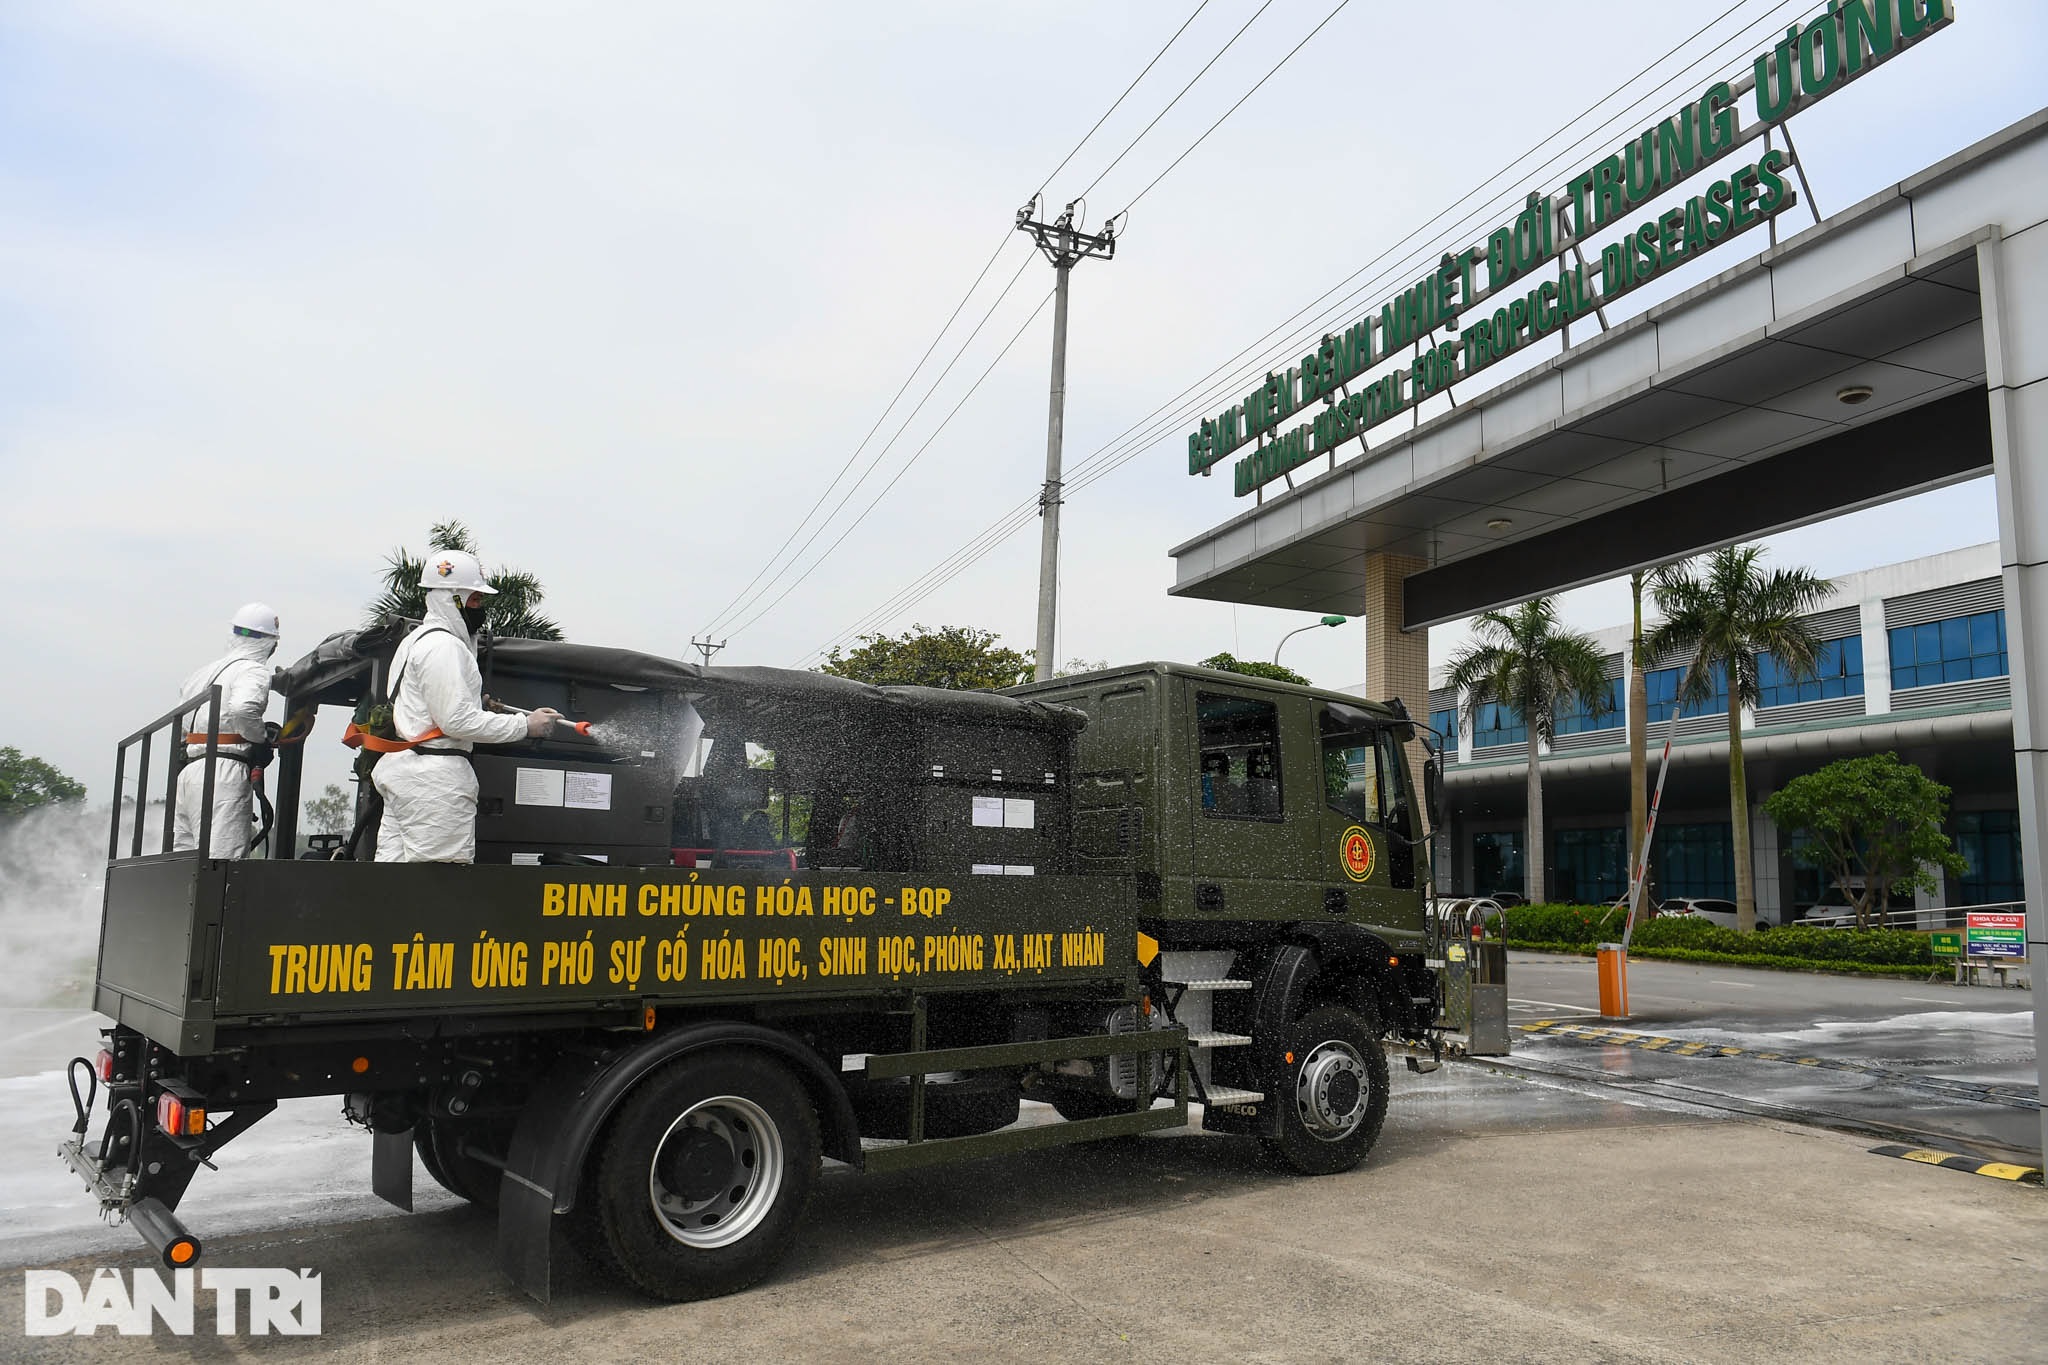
145 737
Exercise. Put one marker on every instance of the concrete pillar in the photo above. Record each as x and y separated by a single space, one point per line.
1877 658
2012 275
1932 905
1396 660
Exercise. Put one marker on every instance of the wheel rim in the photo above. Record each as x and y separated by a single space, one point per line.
716 1172
1332 1090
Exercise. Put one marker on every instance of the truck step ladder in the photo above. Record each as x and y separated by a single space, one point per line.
1213 1040
1223 1095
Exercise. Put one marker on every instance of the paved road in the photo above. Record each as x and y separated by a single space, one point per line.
1935 1063
1503 1216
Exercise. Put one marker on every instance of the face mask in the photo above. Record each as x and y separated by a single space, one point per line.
473 617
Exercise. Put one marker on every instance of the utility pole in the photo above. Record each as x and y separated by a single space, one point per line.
707 647
1066 246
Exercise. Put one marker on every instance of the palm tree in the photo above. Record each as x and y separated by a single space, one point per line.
1524 660
1724 611
514 611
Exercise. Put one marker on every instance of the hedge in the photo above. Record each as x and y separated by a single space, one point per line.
1683 938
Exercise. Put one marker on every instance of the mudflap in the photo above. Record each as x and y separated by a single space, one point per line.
391 1167
542 1148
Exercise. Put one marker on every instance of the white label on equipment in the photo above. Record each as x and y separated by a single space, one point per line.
526 860
988 869
1019 812
1019 870
988 811
537 787
587 791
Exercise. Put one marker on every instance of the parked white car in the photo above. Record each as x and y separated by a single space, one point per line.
1707 908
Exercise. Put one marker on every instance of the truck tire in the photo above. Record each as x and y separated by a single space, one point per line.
439 1144
1332 1095
705 1174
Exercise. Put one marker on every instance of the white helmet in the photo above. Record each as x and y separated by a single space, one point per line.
257 618
456 570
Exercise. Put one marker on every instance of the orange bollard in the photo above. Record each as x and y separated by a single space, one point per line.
1613 981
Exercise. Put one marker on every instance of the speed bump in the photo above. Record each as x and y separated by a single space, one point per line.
1954 1161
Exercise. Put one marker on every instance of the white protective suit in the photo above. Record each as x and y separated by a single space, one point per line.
430 796
244 678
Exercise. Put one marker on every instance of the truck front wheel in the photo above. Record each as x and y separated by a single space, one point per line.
705 1175
1332 1094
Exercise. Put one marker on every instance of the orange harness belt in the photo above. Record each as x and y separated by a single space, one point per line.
355 737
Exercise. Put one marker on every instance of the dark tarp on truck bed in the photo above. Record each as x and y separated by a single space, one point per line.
336 673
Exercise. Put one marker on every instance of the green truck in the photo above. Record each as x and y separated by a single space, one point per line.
748 918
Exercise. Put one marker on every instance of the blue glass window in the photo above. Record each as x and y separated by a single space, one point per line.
1578 718
1694 860
1445 723
1989 841
1959 648
1838 672
1498 724
1497 862
1589 866
1662 686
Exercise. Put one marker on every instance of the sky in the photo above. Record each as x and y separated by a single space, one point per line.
624 287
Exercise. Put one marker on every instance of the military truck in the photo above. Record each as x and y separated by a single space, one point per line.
754 918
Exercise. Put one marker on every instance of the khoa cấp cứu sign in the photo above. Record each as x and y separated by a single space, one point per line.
1492 288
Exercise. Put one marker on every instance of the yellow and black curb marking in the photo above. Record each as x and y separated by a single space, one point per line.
1564 1028
1997 1170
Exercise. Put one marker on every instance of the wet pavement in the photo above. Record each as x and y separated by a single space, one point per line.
1931 1063
1503 1215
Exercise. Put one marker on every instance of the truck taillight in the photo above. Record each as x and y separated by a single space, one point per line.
178 1118
104 1064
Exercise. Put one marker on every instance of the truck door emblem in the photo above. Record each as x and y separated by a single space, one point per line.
1355 851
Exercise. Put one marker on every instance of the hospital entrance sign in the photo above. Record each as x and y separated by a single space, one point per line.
1811 61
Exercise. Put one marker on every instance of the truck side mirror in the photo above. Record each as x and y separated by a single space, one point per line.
1433 790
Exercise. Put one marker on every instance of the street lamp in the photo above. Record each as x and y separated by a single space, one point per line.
1326 621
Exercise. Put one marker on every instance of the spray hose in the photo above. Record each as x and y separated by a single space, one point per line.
581 727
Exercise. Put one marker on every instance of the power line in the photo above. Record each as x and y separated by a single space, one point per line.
878 457
1108 457
826 554
731 607
748 594
1176 99
1233 108
1120 98
1396 271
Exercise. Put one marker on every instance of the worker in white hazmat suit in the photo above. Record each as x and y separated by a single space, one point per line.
243 674
429 788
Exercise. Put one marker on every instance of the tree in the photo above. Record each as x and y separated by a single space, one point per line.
1075 666
27 782
1254 668
1524 660
951 656
330 812
515 610
1724 612
1873 824
1638 733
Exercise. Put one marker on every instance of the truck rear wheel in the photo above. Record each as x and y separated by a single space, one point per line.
705 1175
1333 1092
439 1143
